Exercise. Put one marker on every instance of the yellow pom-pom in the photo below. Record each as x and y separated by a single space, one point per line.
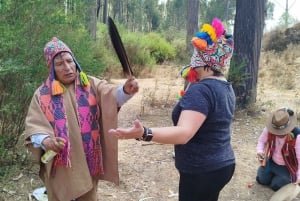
57 88
84 79
210 31
185 72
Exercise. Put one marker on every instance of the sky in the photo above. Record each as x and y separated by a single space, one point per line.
279 9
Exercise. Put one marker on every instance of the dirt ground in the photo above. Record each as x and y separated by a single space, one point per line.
147 170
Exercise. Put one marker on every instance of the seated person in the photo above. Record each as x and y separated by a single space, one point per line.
278 150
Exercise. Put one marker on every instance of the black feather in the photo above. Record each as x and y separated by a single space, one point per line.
118 46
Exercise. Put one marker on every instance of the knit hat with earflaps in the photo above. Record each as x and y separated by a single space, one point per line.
52 48
212 48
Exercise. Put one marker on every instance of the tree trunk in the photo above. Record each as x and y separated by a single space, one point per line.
248 31
105 6
93 25
91 17
192 22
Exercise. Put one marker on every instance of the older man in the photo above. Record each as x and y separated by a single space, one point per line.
70 114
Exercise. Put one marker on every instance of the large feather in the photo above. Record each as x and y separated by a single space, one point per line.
118 46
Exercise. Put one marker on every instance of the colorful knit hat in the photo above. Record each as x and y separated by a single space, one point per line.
52 48
212 47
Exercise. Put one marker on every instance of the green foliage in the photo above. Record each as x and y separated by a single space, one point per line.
143 50
16 89
270 10
286 20
182 56
138 52
25 33
159 48
175 15
224 10
237 75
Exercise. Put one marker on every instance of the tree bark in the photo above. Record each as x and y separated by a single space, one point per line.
192 22
91 17
248 31
105 13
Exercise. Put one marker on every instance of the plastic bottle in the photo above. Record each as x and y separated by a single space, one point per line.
49 155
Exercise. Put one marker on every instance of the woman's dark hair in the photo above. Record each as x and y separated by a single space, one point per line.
216 73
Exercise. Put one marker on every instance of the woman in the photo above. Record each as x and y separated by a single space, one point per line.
202 120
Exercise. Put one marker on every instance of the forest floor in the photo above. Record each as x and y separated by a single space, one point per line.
147 170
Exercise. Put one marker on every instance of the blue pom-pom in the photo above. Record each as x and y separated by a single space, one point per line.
204 36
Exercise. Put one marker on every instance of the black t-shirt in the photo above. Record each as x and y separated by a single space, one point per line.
210 148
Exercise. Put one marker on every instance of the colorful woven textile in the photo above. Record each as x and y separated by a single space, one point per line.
88 113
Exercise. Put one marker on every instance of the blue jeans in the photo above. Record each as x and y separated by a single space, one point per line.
273 175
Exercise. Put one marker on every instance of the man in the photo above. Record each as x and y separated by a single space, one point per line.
70 114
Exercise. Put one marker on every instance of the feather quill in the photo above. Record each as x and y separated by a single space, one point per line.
119 47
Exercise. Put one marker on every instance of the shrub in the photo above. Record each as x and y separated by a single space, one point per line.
159 48
16 88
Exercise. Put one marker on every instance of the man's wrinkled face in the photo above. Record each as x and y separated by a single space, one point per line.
65 68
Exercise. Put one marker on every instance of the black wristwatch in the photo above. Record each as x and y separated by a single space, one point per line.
147 135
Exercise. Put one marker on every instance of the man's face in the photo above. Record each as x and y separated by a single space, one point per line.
65 68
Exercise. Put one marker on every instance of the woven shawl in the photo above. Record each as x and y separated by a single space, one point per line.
88 113
288 153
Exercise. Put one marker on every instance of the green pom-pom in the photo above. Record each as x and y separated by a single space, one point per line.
84 79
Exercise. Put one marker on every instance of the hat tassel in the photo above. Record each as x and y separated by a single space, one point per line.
57 88
84 79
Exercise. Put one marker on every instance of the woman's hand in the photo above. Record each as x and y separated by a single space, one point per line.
131 86
261 158
135 132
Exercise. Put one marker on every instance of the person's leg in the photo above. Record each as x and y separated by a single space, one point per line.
200 187
264 175
281 178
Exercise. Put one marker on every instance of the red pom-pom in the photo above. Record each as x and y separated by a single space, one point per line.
192 76
182 92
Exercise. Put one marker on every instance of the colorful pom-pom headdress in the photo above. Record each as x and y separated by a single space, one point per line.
212 48
52 48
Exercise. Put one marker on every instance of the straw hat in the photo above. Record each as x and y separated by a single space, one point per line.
282 121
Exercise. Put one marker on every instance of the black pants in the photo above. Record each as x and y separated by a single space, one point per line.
206 186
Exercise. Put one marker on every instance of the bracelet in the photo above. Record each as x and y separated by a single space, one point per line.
147 135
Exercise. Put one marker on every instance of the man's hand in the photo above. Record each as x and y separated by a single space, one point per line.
131 86
54 143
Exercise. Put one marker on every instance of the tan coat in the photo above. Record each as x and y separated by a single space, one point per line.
70 183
